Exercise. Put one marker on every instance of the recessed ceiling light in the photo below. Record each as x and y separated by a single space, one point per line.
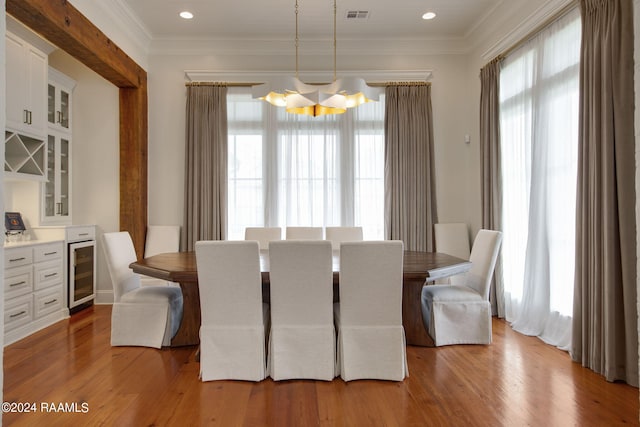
186 15
429 15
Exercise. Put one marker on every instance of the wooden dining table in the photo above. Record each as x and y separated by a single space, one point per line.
418 268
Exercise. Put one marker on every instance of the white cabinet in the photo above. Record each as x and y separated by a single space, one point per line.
26 89
55 201
26 103
56 191
59 100
33 288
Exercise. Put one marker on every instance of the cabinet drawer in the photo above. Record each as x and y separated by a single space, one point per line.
47 301
17 256
18 312
47 274
18 281
47 252
75 234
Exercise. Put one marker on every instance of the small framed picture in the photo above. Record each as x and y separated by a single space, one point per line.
13 221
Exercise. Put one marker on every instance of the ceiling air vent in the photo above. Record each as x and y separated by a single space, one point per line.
357 15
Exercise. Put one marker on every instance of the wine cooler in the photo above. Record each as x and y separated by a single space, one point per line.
82 274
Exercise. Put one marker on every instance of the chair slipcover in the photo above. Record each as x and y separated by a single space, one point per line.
263 235
232 331
160 239
452 239
302 338
304 233
146 316
337 235
461 314
371 340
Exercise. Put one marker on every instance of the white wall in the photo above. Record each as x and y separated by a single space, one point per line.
167 95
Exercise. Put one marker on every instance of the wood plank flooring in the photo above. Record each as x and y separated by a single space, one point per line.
516 381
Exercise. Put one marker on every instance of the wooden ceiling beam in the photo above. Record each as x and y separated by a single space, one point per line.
64 26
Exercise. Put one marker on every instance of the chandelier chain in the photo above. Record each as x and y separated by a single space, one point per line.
297 40
335 42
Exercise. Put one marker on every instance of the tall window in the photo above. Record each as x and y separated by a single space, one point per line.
292 170
539 89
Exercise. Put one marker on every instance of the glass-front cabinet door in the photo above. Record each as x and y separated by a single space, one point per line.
51 184
56 191
59 100
63 207
51 104
58 106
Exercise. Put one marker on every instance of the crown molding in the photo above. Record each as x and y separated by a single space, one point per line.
370 76
541 16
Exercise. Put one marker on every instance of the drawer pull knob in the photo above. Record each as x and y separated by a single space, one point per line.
51 302
83 234
17 314
50 253
17 284
17 259
50 275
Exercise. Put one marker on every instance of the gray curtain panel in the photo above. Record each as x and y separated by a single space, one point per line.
490 186
605 332
205 195
409 187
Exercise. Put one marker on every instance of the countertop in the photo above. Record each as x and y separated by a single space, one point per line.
23 243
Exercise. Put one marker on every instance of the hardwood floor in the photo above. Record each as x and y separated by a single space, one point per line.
516 381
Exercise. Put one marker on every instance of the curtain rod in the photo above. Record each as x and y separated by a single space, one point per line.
562 12
249 84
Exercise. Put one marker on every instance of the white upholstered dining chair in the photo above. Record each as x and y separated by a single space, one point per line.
337 235
160 239
232 331
302 339
371 339
263 235
452 239
146 316
303 233
461 314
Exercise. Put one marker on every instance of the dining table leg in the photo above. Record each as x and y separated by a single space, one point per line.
189 331
414 329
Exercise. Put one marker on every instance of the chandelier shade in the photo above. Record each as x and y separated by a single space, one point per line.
316 99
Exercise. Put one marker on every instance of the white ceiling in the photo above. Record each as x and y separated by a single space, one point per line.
275 19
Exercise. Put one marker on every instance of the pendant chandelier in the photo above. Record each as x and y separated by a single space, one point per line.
312 99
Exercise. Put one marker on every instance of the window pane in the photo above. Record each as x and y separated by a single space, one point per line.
245 201
369 185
